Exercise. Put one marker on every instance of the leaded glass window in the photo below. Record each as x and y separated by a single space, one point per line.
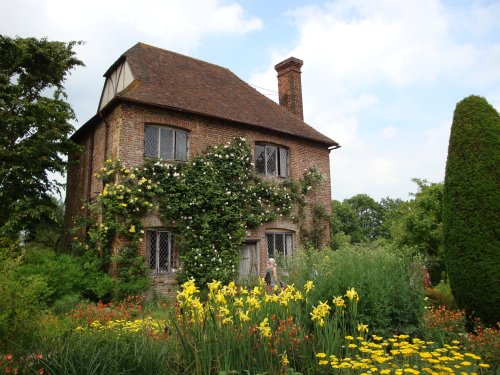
159 251
165 143
279 244
271 160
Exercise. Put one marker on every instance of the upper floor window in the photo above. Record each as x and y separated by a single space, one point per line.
271 160
165 143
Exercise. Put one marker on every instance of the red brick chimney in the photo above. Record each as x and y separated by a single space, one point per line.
290 86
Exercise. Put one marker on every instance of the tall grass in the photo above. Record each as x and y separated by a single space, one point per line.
104 353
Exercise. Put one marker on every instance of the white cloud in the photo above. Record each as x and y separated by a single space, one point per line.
359 57
110 27
178 20
389 132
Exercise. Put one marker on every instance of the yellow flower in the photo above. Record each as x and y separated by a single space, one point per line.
220 299
309 286
214 285
362 327
243 315
264 328
284 359
352 294
321 355
319 313
132 229
339 301
224 310
484 365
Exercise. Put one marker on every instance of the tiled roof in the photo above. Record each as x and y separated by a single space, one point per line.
169 79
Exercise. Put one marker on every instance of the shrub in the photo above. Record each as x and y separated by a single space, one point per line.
64 274
441 295
471 203
388 278
21 300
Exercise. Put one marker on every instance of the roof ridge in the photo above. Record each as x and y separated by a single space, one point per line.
142 44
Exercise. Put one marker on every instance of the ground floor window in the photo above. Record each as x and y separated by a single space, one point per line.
279 244
161 255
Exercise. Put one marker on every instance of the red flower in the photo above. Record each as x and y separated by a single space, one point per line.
7 357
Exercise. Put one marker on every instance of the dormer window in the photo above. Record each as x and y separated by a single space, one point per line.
271 160
165 143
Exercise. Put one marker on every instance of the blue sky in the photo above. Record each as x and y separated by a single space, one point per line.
381 77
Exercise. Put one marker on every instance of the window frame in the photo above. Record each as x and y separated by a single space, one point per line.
170 256
278 164
287 245
175 140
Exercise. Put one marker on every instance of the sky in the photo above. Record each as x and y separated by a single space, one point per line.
382 78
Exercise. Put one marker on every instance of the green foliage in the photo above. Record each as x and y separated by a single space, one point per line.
35 121
359 217
418 223
209 202
471 204
64 274
21 300
108 353
369 218
388 278
314 235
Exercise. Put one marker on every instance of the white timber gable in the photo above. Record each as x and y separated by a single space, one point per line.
117 81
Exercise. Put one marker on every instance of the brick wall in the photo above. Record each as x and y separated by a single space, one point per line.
121 136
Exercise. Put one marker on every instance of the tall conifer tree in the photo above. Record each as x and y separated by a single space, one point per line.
471 205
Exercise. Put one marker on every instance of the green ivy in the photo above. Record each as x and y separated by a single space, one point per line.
209 202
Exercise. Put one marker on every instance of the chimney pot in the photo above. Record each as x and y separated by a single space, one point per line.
290 85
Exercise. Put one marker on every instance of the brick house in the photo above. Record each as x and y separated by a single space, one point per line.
160 104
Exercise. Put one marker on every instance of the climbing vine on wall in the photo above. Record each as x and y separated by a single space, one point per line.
209 202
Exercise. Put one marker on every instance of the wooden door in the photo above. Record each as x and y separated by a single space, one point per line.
249 261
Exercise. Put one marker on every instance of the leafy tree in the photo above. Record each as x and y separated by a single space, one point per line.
418 223
35 122
391 209
342 221
360 218
471 204
369 218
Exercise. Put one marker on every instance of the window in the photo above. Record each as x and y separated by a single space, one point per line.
271 160
165 143
160 251
279 243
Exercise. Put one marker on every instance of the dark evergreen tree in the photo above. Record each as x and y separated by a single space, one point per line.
471 205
